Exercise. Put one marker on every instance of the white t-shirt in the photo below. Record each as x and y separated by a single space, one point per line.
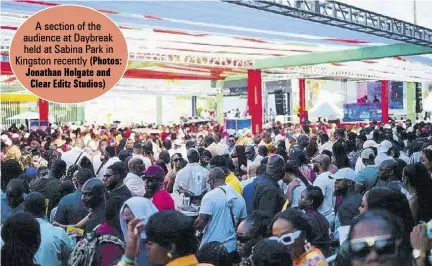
220 227
327 186
110 162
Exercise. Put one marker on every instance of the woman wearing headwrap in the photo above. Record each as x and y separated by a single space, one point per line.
137 207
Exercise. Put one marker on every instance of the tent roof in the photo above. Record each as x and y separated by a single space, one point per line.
25 115
210 40
325 109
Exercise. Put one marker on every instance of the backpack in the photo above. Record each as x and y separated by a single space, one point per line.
84 252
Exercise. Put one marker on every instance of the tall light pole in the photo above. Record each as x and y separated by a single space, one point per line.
415 11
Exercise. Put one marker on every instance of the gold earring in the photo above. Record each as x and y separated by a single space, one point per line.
169 255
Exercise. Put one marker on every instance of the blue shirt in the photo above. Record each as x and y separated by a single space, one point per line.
55 246
368 176
70 209
6 210
248 192
220 227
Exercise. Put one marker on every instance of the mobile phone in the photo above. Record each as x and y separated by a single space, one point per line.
429 230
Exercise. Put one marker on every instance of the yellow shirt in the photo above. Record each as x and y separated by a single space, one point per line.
13 153
235 183
190 260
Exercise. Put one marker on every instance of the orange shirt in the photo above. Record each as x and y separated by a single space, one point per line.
313 257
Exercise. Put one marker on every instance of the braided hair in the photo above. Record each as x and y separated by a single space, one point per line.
21 236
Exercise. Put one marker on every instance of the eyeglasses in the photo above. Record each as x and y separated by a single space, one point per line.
384 246
287 238
108 176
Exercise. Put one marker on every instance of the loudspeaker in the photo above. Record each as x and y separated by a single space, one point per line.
280 102
419 97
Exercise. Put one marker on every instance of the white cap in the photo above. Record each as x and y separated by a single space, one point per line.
366 153
387 126
4 137
177 142
369 144
385 146
344 173
15 136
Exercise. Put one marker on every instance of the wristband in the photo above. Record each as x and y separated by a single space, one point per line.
122 263
127 260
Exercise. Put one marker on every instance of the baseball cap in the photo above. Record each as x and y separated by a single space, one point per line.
177 142
369 144
385 146
322 158
15 136
155 171
366 153
344 173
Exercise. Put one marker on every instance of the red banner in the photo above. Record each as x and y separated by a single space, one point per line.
43 110
385 100
302 95
255 100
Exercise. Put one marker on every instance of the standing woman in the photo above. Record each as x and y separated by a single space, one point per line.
377 238
250 231
171 240
417 179
142 208
426 159
21 236
292 228
169 180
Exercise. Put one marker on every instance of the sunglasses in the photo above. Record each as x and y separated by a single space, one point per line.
287 238
384 246
243 239
177 160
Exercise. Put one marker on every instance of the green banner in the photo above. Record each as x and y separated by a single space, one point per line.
411 101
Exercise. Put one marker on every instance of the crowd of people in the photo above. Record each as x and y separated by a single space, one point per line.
292 195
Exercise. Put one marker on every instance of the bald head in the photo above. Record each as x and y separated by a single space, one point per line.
387 170
93 193
321 161
93 185
216 177
136 166
275 167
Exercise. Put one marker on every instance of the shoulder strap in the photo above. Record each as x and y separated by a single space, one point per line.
231 211
320 221
100 167
78 158
112 239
